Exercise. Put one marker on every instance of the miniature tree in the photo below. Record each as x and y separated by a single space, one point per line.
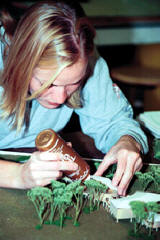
56 185
57 188
111 171
152 208
99 193
144 212
156 148
95 190
62 201
152 176
144 179
96 164
139 210
41 198
77 192
155 171
79 202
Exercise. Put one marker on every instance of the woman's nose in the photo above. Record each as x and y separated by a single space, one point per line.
60 95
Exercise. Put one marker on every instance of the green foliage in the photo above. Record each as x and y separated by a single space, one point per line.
155 171
145 179
111 171
56 184
59 198
96 164
139 210
156 148
54 202
42 199
152 176
73 185
144 212
77 190
95 193
63 201
152 208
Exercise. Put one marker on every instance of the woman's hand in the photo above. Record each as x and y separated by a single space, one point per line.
126 153
42 167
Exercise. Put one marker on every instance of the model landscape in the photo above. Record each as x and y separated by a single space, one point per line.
55 204
64 203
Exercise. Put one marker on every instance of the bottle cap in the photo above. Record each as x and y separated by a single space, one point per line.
45 140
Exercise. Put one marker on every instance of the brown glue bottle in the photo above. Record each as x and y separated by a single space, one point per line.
48 140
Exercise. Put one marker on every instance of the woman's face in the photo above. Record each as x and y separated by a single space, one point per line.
63 86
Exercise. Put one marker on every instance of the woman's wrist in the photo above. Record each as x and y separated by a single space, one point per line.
129 138
11 175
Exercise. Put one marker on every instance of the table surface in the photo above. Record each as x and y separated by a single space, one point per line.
18 220
136 75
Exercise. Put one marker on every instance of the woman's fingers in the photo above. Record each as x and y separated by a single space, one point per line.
54 166
128 161
52 161
46 174
46 156
109 159
121 166
124 176
45 165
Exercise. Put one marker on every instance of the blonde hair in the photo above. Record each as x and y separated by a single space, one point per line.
50 33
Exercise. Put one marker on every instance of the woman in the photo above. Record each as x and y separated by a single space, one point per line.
50 70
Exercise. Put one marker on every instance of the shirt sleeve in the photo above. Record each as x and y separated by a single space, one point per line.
106 114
